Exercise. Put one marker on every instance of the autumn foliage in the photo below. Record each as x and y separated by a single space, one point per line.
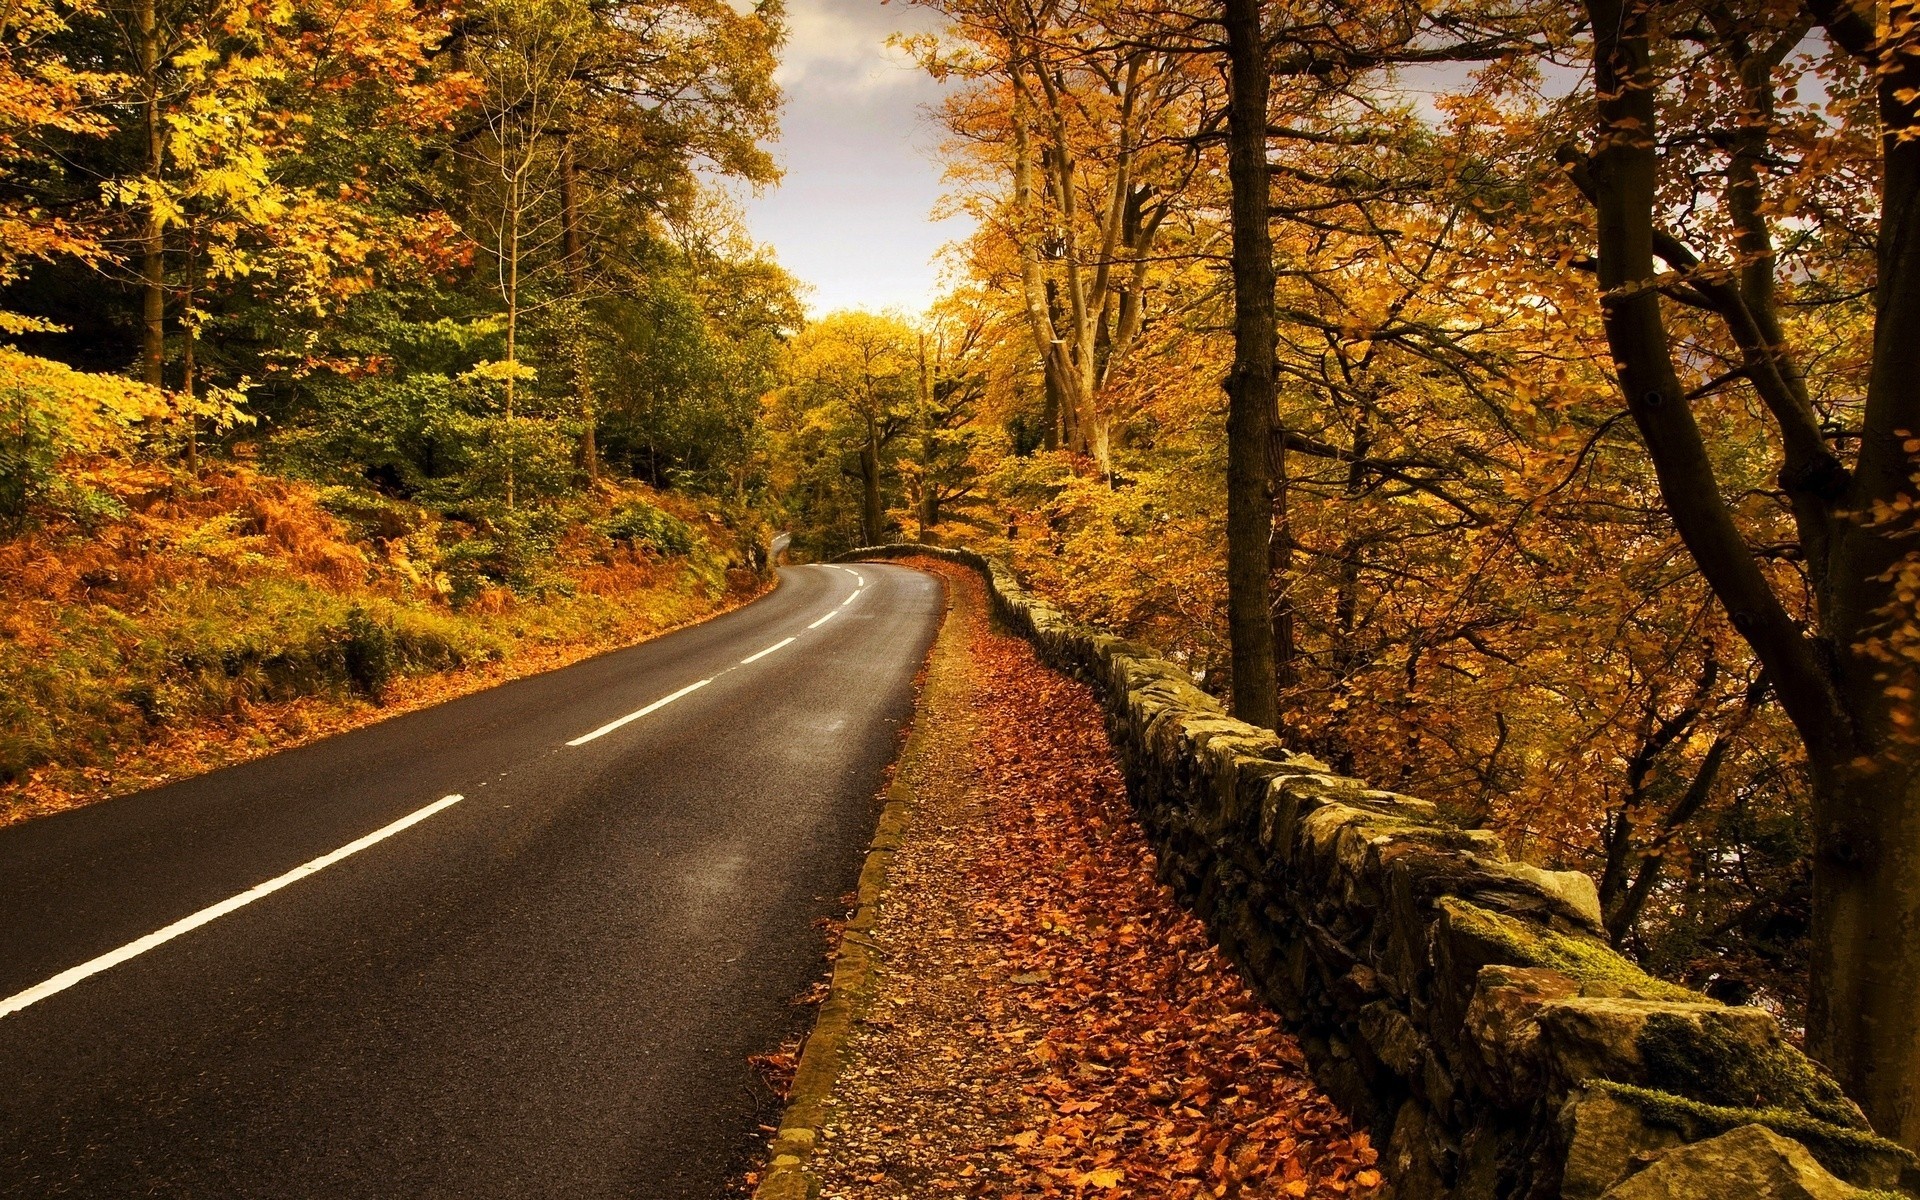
336 338
196 627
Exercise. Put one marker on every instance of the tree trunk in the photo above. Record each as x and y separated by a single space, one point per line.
1863 1021
871 513
1251 390
153 238
1072 434
576 252
513 321
1280 547
1050 410
927 511
190 354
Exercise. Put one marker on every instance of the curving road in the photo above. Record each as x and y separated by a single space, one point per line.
517 945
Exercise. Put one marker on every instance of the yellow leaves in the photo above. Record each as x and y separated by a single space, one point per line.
501 370
1105 1177
14 323
196 59
81 413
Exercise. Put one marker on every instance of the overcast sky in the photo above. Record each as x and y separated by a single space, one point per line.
853 217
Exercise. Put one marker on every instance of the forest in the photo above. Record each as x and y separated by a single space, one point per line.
1510 402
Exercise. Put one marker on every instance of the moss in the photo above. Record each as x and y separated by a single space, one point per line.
1852 1154
1703 1059
1587 962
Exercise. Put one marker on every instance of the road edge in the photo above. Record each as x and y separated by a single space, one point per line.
789 1174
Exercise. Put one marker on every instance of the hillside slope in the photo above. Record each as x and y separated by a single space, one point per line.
176 625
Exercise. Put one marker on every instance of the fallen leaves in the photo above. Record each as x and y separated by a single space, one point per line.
1083 1034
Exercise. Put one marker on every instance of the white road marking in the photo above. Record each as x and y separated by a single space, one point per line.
860 581
823 620
769 650
661 703
113 958
851 599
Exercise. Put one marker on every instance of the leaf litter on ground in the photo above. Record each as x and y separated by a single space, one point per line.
1048 1020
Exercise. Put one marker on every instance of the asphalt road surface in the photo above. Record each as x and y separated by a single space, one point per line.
504 947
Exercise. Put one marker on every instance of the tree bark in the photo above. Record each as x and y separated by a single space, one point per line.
1050 410
153 238
576 254
189 353
1251 389
872 515
1280 548
1863 1020
513 322
928 510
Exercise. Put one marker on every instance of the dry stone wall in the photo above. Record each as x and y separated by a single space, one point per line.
1464 1006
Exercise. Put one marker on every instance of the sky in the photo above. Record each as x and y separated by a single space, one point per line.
853 216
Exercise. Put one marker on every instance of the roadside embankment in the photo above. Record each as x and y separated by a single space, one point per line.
186 625
1462 1006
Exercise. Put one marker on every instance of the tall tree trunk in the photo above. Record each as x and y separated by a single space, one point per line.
1280 548
153 237
927 511
1863 1020
1050 410
576 252
513 322
871 513
1251 390
1072 434
189 354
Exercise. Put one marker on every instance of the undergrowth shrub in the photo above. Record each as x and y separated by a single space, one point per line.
641 525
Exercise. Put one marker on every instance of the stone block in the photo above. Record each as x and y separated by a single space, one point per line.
1604 1136
1749 1163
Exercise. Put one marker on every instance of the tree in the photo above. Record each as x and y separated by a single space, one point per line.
1086 126
852 378
528 55
1252 403
950 381
1844 671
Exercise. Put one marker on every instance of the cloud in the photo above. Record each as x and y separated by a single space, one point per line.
852 216
841 46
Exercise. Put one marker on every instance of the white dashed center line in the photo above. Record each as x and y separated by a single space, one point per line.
113 958
661 703
860 584
769 650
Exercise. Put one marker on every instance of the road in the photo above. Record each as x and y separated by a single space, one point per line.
548 986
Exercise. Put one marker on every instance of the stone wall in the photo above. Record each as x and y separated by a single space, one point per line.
1463 1006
